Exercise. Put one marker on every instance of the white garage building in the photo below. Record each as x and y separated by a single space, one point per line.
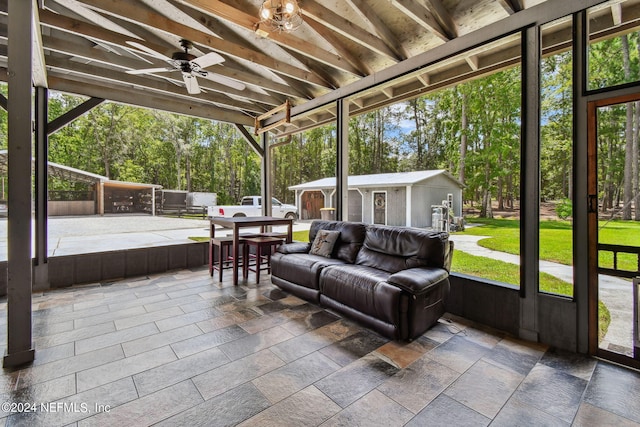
403 198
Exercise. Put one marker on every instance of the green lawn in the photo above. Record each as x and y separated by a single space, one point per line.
556 239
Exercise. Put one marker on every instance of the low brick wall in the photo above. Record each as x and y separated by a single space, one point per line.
111 265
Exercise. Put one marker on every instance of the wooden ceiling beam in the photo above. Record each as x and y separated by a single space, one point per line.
511 6
159 85
149 100
119 62
377 25
289 41
93 32
133 12
339 46
346 28
443 17
422 16
38 66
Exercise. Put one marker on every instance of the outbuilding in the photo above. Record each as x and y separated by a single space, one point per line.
403 198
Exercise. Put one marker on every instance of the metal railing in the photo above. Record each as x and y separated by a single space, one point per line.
615 270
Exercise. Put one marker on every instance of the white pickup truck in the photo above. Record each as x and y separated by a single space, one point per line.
252 206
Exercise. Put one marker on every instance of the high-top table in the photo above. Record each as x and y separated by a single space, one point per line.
236 223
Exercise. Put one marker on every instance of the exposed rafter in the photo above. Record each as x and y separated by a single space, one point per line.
346 28
132 11
422 16
290 41
339 46
511 6
443 18
379 27
37 54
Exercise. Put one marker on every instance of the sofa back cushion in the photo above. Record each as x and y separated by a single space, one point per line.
398 248
351 237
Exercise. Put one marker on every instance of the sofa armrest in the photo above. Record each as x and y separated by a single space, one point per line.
294 248
418 280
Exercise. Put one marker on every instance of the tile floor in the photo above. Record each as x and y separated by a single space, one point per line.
180 349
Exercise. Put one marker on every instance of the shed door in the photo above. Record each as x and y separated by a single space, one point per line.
379 207
355 206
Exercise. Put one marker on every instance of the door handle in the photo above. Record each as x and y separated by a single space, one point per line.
593 203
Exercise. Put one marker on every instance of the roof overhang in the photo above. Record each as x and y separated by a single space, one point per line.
370 53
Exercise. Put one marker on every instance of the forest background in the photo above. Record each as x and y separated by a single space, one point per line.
472 130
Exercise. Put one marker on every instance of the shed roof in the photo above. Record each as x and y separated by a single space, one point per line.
57 170
379 180
67 173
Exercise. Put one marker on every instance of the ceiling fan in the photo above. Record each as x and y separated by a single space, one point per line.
189 65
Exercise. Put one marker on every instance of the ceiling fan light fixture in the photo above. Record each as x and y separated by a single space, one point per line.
280 15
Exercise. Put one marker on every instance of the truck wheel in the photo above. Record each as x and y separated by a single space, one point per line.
239 215
291 215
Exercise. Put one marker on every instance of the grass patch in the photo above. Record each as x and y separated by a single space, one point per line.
604 319
505 272
199 239
301 236
556 239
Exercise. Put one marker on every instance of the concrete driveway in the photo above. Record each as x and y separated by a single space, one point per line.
85 234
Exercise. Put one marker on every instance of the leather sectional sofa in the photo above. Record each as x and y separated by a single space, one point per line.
393 280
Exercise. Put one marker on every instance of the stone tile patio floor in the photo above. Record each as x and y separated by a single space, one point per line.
181 349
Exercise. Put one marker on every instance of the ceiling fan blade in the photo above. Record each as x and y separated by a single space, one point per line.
207 60
148 50
193 88
222 80
149 70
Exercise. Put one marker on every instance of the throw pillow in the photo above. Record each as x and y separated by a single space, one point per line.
324 242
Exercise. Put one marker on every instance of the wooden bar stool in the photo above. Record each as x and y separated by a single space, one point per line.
279 234
224 245
264 246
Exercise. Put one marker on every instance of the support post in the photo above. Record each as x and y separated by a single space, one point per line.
266 175
530 161
41 265
19 346
582 280
342 161
100 197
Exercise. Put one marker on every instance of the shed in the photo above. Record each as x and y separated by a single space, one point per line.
402 198
103 195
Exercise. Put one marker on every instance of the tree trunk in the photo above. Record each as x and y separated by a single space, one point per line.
463 138
419 138
178 171
187 171
500 195
486 211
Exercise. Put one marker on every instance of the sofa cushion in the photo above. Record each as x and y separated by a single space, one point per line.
364 289
351 237
324 243
398 248
300 268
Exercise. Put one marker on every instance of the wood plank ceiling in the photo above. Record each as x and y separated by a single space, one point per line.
87 51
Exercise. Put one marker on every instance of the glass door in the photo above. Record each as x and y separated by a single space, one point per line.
614 228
